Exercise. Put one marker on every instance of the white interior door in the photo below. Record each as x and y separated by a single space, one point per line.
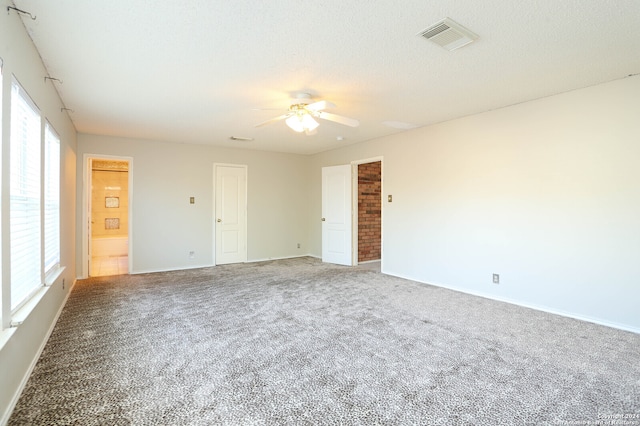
231 214
336 215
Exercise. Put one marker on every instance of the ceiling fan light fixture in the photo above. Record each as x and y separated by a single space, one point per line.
302 123
309 123
295 123
303 114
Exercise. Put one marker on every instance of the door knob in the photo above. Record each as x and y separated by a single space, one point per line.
323 219
219 220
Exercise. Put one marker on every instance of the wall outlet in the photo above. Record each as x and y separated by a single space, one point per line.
63 283
298 245
496 278
192 254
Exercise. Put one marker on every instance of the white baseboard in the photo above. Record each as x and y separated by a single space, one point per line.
184 268
278 258
181 268
536 307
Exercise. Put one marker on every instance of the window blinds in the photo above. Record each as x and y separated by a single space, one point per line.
24 203
51 200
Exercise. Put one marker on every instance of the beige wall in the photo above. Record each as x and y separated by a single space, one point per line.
544 193
165 227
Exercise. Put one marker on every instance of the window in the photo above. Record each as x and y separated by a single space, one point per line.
24 197
51 200
2 313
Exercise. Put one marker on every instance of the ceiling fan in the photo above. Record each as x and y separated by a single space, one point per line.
302 114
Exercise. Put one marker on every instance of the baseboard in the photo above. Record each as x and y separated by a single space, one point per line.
182 268
151 271
541 308
12 405
210 265
278 258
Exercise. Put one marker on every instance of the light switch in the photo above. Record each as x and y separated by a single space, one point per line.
192 200
390 198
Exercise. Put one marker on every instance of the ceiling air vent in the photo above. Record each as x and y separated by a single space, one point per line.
448 34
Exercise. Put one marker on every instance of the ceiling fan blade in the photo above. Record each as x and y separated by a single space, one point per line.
320 105
338 119
282 117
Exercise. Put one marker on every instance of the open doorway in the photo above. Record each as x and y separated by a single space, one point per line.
107 208
369 212
352 214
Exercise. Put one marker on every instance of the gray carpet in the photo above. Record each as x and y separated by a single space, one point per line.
300 342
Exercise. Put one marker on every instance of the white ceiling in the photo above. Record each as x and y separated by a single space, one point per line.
198 71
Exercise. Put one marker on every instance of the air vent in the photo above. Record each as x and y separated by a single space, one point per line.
448 34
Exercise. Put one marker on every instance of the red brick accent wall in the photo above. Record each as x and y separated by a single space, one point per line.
369 211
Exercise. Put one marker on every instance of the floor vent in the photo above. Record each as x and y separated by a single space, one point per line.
448 34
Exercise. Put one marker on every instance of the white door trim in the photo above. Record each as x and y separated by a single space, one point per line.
354 176
86 206
246 194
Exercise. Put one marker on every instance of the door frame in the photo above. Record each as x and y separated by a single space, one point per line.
86 208
354 207
246 209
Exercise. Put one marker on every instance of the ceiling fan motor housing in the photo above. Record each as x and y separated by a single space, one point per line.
302 99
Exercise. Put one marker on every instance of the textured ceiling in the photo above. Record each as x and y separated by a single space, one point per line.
201 71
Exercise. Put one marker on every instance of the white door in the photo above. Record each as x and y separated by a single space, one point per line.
231 214
336 215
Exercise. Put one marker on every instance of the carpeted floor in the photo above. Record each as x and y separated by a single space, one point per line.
300 342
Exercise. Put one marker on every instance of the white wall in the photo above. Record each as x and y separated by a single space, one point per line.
544 193
19 346
165 227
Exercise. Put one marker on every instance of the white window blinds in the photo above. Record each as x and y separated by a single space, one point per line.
51 200
24 204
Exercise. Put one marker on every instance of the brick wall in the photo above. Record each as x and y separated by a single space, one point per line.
369 211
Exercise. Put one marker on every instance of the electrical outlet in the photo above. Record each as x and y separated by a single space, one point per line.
298 245
192 254
496 278
63 283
